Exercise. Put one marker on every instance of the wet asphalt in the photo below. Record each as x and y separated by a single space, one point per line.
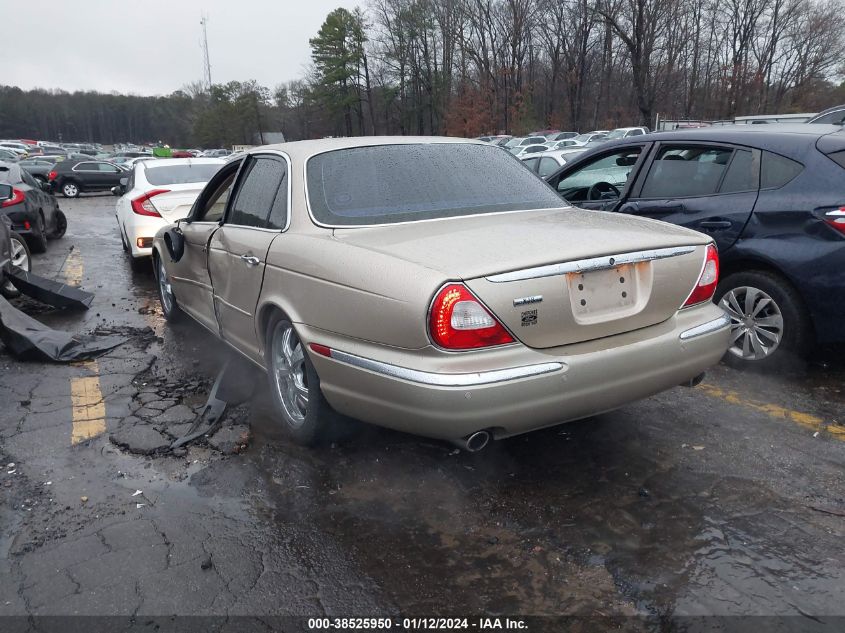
724 499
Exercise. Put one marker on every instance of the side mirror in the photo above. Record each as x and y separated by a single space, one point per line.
117 190
174 241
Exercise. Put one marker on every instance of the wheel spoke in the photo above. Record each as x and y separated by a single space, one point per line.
736 333
734 303
774 337
750 298
746 345
764 301
774 321
760 350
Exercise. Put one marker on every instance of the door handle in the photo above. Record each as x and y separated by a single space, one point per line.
249 260
714 224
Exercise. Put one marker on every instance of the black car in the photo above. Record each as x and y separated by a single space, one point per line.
34 213
72 177
772 198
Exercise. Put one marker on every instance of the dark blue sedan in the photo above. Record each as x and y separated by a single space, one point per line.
772 197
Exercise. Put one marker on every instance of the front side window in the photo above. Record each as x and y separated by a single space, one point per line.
384 184
692 171
603 178
87 167
257 191
214 205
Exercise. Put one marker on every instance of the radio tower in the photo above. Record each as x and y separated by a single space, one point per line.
205 60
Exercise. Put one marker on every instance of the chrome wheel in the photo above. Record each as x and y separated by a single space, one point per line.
165 289
756 322
20 257
70 190
289 374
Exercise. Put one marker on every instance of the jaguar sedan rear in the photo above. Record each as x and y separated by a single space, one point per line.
436 286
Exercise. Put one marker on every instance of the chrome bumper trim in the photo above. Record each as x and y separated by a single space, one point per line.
706 328
594 263
446 380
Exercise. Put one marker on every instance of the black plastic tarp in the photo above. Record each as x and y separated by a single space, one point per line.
28 339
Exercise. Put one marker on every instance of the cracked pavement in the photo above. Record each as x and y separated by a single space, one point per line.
724 499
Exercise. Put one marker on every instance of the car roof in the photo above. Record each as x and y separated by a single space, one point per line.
10 172
302 150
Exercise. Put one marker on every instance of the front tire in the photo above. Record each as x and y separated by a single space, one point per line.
768 318
169 307
39 238
306 415
61 225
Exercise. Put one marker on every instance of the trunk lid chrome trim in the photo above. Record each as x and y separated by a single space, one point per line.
591 264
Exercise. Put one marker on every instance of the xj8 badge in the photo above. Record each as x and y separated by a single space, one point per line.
524 301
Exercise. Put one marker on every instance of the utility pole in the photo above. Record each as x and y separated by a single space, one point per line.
205 59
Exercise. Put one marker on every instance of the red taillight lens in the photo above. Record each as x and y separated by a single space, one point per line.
705 287
17 198
52 175
836 219
459 321
144 206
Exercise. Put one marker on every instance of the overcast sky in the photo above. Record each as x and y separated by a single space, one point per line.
153 46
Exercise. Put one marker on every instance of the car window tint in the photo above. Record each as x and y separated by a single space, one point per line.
547 166
531 163
29 179
181 174
256 193
742 175
679 172
86 167
397 182
776 170
614 169
279 213
832 118
635 132
111 169
215 205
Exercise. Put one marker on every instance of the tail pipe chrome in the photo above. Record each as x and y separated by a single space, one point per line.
474 442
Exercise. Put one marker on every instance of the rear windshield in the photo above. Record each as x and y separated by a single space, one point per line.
181 174
384 184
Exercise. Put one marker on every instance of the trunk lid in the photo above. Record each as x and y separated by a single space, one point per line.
177 203
548 275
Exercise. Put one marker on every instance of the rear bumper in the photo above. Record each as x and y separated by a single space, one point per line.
512 391
142 227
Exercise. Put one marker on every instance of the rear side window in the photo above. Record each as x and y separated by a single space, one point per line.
257 192
531 163
776 170
742 175
679 172
836 117
548 166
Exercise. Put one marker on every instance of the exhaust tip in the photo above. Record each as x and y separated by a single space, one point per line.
694 382
477 441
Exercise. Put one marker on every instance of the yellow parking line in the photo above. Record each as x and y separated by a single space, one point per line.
89 409
73 268
807 420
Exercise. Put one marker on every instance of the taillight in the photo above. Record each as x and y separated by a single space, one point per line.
705 287
52 175
144 206
836 219
459 321
17 198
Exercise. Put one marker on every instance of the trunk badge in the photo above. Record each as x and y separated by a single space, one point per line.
526 300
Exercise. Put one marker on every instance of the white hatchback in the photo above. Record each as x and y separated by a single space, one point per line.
156 193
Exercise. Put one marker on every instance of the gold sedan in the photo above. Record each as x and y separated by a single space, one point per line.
436 286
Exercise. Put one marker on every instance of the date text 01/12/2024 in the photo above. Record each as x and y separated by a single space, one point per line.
413 624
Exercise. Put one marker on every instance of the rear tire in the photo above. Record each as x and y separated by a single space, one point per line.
70 189
22 258
769 323
306 416
61 225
